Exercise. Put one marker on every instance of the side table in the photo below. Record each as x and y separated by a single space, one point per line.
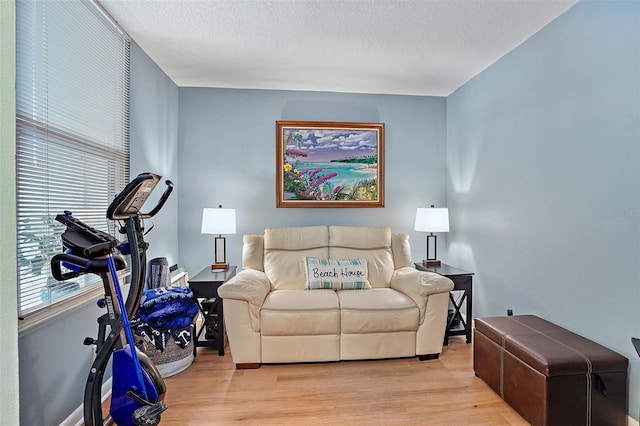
462 281
205 290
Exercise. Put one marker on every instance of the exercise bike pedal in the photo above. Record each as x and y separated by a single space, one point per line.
148 415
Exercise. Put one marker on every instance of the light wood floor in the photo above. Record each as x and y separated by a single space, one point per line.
384 392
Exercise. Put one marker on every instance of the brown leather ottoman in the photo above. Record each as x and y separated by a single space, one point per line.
550 375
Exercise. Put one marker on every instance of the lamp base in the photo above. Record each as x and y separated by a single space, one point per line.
219 266
431 262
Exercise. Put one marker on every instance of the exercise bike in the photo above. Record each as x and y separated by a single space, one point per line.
137 388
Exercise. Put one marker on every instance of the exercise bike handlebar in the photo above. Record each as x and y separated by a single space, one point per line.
78 265
163 199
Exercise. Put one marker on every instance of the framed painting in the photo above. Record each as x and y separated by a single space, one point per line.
329 164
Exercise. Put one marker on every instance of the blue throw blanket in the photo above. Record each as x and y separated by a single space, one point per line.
165 313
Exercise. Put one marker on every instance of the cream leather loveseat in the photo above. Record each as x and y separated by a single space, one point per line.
272 317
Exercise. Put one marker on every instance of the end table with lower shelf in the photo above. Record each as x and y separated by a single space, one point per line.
205 290
457 324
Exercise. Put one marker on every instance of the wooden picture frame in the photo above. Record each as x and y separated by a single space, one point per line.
329 164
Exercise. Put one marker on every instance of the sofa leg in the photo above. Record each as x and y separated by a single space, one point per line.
428 356
248 366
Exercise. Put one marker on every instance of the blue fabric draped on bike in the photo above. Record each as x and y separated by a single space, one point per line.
164 313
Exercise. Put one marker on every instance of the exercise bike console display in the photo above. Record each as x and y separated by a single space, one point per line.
134 195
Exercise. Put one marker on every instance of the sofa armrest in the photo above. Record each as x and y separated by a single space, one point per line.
419 285
251 286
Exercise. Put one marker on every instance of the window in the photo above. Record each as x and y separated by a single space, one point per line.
72 134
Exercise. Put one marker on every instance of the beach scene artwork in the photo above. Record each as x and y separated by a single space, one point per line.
330 164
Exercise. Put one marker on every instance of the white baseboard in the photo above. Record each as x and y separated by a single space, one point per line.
77 417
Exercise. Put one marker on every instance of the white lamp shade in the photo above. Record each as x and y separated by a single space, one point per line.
432 220
218 221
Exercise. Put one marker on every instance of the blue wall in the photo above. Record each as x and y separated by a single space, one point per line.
543 154
227 156
53 361
54 365
154 147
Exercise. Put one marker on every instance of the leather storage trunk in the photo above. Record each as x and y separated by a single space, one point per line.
548 374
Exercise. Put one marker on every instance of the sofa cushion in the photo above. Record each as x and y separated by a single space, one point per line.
377 310
284 249
343 274
300 313
374 243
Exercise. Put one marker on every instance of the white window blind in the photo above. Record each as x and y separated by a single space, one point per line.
72 141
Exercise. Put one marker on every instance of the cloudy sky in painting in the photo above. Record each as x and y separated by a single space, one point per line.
332 144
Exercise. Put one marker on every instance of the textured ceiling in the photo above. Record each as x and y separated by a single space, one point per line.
412 47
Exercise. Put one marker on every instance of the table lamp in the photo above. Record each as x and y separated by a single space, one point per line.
219 221
432 220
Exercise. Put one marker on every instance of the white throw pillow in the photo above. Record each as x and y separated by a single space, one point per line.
345 274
